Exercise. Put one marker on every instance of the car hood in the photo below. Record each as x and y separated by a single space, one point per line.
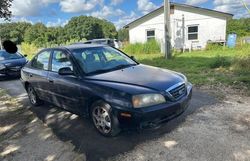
14 62
141 75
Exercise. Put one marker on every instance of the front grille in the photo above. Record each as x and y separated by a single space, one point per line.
177 92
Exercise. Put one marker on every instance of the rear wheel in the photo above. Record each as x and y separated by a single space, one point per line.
34 99
104 120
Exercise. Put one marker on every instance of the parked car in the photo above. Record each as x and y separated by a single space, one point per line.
101 82
109 42
11 64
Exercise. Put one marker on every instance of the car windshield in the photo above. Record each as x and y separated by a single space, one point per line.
7 56
98 60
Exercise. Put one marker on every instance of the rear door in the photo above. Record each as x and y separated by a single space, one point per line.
38 72
65 89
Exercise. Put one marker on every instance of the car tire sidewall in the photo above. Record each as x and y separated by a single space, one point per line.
115 129
38 101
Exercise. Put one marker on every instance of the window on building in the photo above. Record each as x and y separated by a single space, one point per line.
192 32
150 35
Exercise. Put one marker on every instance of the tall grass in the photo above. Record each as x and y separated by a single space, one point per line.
29 49
150 47
229 66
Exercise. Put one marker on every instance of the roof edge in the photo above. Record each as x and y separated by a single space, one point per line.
177 4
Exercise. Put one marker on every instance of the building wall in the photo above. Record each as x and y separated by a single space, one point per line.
211 26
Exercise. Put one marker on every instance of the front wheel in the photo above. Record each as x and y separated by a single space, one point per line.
104 120
34 99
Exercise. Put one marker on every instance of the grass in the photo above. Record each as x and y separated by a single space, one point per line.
210 67
149 47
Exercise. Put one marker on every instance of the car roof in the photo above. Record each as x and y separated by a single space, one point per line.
79 46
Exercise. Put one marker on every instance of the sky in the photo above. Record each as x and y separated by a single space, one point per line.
120 12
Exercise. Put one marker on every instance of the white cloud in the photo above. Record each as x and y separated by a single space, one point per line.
116 2
74 6
29 7
16 19
195 2
232 6
107 12
145 6
124 20
26 7
59 22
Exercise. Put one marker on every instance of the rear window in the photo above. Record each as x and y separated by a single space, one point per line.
7 56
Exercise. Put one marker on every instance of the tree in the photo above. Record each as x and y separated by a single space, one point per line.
123 35
239 26
83 27
4 9
90 28
36 34
108 29
14 31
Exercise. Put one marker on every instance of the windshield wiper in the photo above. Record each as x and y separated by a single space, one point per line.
123 66
110 69
99 71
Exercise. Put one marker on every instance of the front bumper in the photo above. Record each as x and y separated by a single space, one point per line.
153 116
11 71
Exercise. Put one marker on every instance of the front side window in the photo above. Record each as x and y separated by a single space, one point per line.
150 35
96 60
60 60
192 32
41 61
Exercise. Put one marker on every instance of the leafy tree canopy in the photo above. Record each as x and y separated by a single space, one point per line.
4 9
78 29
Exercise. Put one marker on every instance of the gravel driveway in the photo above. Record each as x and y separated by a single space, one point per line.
208 130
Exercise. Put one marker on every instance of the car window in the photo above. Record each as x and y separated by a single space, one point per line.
41 61
100 58
60 60
7 56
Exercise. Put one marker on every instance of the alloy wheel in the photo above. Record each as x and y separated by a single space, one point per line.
32 95
102 119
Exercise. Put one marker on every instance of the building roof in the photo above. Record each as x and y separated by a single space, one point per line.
181 5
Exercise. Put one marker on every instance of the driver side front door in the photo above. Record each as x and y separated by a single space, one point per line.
64 88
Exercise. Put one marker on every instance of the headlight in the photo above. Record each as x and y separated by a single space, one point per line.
2 66
144 100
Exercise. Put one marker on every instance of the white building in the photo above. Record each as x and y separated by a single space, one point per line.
200 26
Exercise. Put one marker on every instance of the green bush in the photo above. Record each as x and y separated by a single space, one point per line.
150 47
29 49
220 61
211 46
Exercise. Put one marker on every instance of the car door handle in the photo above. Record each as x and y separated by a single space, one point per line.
51 80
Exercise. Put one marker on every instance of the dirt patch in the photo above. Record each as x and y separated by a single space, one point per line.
24 137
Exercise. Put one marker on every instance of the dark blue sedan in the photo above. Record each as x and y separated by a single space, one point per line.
11 64
105 84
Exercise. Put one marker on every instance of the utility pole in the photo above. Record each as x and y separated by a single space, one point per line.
183 33
1 47
167 30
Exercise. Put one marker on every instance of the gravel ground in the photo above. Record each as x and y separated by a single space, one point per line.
210 130
23 137
215 133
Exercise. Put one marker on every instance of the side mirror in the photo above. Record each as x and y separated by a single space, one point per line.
133 58
65 71
25 55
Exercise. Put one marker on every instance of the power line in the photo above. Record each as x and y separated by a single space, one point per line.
245 5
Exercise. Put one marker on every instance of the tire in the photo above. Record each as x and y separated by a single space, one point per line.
34 99
104 120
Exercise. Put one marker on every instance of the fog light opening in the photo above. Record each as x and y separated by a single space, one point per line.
124 114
